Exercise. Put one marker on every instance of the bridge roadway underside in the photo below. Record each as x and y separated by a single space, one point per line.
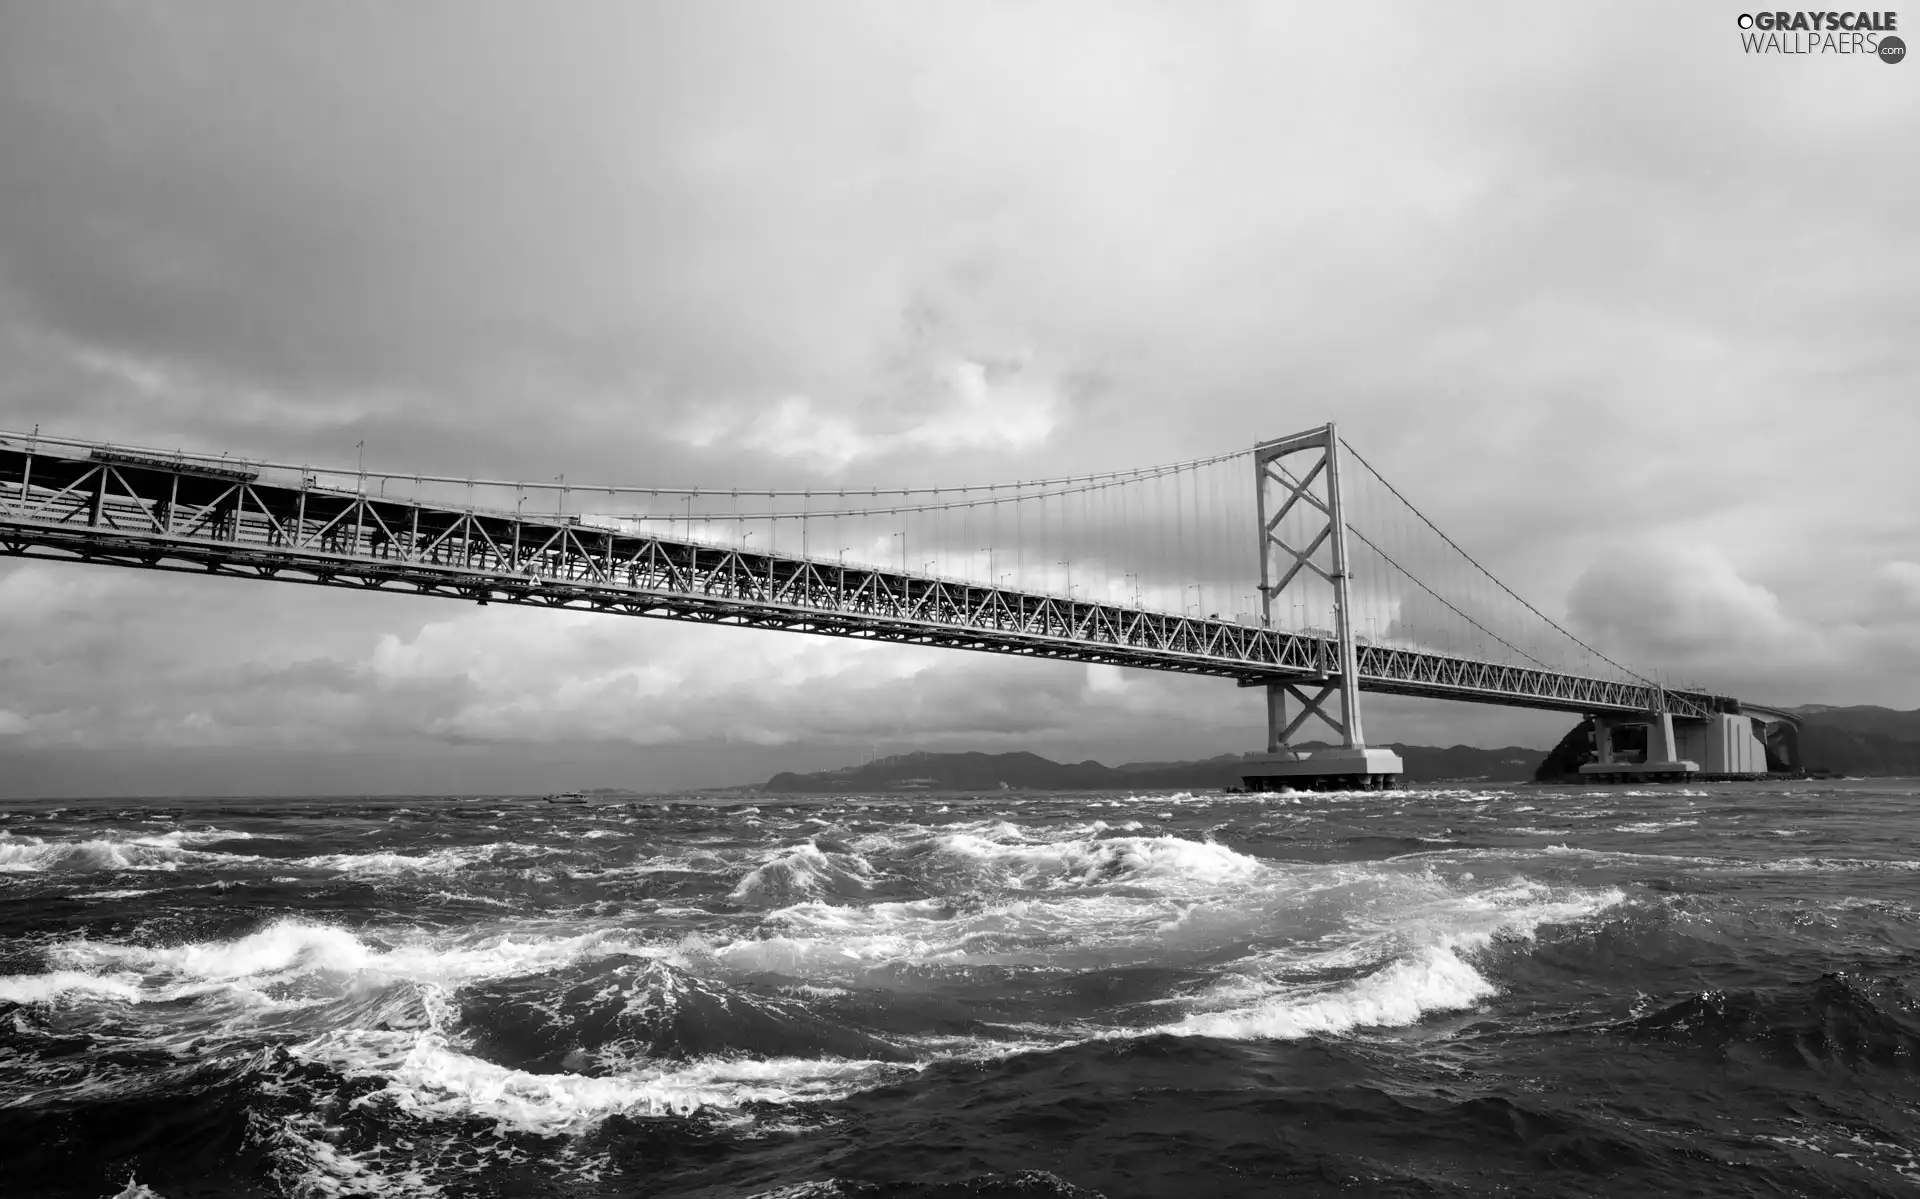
127 508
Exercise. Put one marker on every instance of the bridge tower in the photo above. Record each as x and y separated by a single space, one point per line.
1303 554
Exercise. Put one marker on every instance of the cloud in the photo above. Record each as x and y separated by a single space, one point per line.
1687 607
971 406
502 675
1895 596
1673 602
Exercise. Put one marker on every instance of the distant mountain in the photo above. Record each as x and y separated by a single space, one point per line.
1859 740
1031 772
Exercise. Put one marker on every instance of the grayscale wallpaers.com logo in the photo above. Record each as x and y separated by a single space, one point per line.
1865 33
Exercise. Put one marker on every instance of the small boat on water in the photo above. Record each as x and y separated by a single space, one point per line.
567 797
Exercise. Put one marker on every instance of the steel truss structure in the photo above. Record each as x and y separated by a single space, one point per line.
97 502
1314 487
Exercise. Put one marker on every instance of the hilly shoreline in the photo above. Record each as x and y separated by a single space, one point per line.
1861 740
1022 771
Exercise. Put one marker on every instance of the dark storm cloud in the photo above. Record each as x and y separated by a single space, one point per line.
1593 288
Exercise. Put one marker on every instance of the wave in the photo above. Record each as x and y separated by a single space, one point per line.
437 861
1810 865
1612 856
262 964
173 850
1422 965
1842 1019
596 1017
1005 898
1350 944
805 871
149 851
54 984
425 1076
1165 863
1432 979
1026 1184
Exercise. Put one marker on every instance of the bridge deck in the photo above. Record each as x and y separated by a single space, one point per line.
103 504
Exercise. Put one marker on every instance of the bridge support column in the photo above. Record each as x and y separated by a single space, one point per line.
1660 738
1602 741
1276 717
1303 538
1660 763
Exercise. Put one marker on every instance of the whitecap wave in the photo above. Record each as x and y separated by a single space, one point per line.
1811 865
805 871
1419 963
1164 863
1652 826
427 1075
1432 979
117 852
326 960
437 861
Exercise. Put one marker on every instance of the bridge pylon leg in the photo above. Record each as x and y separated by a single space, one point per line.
1662 759
1303 558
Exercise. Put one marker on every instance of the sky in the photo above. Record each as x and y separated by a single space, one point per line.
1630 313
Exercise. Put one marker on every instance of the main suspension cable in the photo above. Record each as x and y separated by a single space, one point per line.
1490 575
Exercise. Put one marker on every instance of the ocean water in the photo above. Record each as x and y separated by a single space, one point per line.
1440 991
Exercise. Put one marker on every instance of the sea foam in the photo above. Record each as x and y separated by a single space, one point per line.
425 1074
261 962
1421 959
803 871
140 851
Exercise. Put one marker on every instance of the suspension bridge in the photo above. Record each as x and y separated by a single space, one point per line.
1292 566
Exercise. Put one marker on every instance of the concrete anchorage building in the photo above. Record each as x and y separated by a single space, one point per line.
1723 745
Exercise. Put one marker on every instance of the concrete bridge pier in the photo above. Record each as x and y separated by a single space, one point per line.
1721 745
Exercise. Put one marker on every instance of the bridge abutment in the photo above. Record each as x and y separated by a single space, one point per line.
1723 745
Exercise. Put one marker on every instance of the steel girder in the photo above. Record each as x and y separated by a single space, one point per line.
125 509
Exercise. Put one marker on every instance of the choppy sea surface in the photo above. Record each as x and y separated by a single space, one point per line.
1440 991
